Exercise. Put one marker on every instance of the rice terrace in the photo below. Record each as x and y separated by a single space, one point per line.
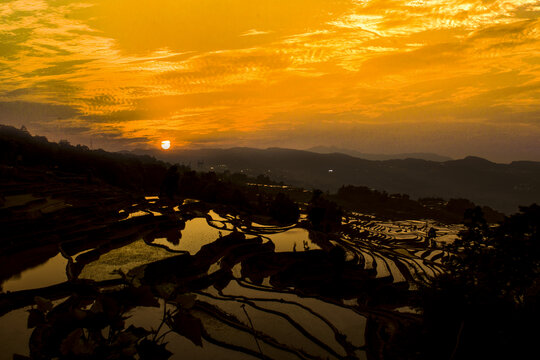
254 289
269 179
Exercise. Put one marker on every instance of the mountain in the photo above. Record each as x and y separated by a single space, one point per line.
358 154
503 187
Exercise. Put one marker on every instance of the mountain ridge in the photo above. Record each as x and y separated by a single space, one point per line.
371 156
501 186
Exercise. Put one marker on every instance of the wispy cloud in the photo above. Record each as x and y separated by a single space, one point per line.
259 70
255 32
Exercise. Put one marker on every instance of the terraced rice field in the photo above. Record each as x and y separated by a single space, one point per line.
259 290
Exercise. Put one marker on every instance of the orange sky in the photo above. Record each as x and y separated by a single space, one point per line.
452 77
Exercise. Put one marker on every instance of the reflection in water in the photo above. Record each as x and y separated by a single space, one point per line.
346 321
293 324
125 258
137 214
216 216
18 200
14 333
196 234
33 204
181 347
290 325
293 239
50 273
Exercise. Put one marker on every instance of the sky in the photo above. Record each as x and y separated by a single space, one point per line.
454 77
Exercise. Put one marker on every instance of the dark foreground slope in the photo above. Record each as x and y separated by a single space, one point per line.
141 174
501 186
24 157
126 276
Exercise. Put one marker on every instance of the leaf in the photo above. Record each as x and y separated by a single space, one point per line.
43 304
40 340
111 306
136 275
97 307
75 344
143 296
126 338
149 350
130 350
78 314
139 332
185 301
189 326
35 318
165 290
117 322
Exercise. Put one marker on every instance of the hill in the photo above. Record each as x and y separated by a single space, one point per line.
369 156
501 186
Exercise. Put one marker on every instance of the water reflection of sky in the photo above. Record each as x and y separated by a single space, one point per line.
345 321
125 258
14 333
181 347
286 241
53 271
201 231
196 234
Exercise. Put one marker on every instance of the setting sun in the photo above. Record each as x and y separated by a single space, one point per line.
346 176
371 76
165 144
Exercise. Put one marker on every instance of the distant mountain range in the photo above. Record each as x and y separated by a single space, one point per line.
502 186
361 155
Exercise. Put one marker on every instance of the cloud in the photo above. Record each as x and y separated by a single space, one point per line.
254 32
21 112
12 42
59 68
208 73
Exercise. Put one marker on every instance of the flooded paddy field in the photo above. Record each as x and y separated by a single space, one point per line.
194 280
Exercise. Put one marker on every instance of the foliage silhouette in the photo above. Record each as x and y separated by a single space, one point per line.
323 214
284 210
490 293
400 206
140 175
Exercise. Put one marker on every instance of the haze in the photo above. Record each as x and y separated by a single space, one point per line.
451 77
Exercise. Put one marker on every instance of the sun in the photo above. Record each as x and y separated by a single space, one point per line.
165 144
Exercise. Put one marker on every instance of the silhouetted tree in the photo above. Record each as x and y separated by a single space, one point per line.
284 210
431 235
324 215
486 304
401 206
169 186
